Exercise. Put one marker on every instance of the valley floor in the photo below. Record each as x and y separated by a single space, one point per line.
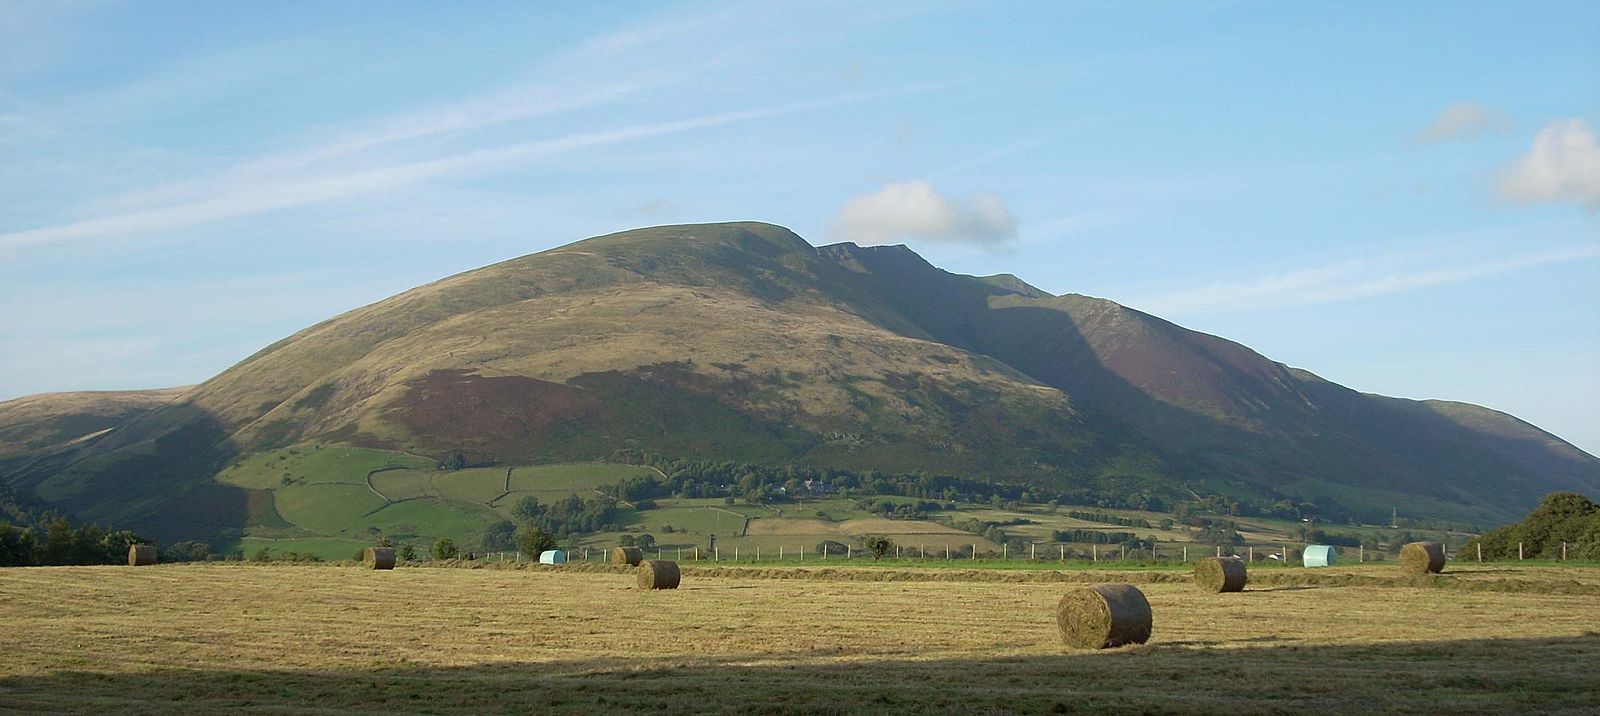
232 638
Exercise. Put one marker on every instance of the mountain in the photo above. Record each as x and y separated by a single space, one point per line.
38 422
743 342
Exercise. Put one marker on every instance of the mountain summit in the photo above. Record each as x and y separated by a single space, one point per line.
742 341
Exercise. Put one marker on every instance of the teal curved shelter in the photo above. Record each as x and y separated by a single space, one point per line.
1318 555
552 556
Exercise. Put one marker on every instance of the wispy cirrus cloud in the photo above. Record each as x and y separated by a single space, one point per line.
302 190
1348 281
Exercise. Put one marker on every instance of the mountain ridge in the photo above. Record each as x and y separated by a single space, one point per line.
743 341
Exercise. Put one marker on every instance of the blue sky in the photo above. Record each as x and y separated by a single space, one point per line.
1404 198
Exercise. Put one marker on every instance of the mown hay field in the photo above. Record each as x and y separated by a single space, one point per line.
214 638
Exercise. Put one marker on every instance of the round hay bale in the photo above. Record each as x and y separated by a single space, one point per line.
1103 616
658 574
1220 574
630 556
1422 558
140 555
379 557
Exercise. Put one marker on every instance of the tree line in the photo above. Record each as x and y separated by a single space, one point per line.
1561 517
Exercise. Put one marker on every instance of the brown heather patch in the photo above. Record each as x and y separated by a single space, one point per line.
497 414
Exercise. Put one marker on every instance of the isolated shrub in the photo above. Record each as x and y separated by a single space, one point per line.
262 555
878 545
456 461
408 553
445 548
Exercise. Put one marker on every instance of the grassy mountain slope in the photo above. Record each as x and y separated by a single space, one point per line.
37 422
743 342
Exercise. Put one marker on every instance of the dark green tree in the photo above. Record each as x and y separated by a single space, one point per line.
534 542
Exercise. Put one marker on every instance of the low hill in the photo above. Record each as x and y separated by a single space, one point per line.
744 342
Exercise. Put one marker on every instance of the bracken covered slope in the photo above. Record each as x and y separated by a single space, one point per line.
744 342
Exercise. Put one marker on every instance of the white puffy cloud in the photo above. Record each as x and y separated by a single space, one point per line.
914 210
1562 166
1462 120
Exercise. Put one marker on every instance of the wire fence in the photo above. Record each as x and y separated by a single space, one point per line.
1038 552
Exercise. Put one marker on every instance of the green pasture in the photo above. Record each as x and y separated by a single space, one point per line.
404 484
328 548
429 518
571 478
478 485
326 509
314 463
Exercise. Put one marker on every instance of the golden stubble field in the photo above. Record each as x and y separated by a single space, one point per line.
339 639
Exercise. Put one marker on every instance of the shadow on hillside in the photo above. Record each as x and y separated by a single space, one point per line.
152 475
1552 675
1309 430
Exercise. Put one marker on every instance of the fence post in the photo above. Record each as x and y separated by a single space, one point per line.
1361 553
1033 548
1063 551
1252 554
1005 551
1563 550
897 551
1219 550
1519 551
780 553
1186 554
947 550
1124 556
1094 552
974 550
